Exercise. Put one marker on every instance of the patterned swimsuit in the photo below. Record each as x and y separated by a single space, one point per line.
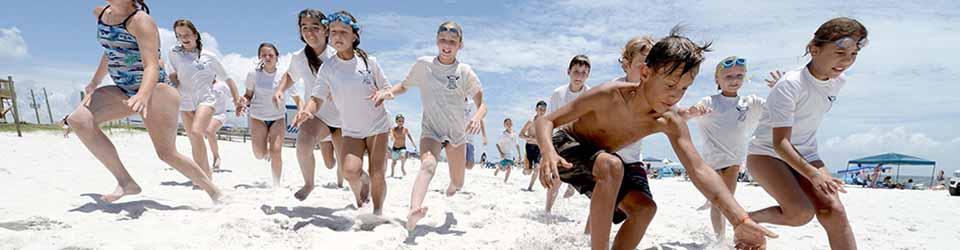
123 55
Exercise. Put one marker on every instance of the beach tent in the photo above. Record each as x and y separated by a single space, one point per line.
889 160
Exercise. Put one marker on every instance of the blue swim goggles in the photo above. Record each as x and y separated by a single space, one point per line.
733 62
445 28
338 17
847 42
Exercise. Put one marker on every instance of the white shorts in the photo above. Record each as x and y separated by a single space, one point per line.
192 102
222 117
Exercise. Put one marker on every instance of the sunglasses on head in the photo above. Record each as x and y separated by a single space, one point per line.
337 17
445 28
733 62
847 42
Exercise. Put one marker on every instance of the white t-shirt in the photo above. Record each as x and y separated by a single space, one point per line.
800 101
263 85
196 75
300 73
725 130
562 95
443 89
468 109
632 153
508 144
351 83
222 92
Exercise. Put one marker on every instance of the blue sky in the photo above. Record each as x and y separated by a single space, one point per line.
900 96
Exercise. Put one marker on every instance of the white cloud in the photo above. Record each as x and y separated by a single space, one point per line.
836 151
12 45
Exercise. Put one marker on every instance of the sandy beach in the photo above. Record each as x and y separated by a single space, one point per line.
50 187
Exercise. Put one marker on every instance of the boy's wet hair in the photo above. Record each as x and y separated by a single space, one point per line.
399 116
676 52
837 28
542 103
579 60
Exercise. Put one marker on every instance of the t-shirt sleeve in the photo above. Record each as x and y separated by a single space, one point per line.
251 80
415 76
170 63
322 88
553 105
381 79
473 84
781 104
218 68
295 70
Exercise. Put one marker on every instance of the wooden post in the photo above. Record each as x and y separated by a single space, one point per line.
36 108
16 111
46 99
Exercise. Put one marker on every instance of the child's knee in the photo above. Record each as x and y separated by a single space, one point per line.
636 206
608 168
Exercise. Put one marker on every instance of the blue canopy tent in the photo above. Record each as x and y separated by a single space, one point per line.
888 160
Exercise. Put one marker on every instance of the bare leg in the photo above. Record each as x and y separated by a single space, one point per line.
552 194
608 173
831 214
403 164
275 137
533 176
506 176
211 133
640 210
458 161
794 208
729 176
195 130
310 132
106 105
428 166
377 147
258 138
393 166
161 124
338 151
352 165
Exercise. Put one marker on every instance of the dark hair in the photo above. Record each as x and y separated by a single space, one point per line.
676 52
187 23
313 59
507 119
579 60
541 103
835 29
140 4
356 43
399 116
268 45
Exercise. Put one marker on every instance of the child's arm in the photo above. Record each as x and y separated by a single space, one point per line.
819 177
407 131
596 98
476 122
706 180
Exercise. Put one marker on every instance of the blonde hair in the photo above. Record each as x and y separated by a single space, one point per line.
640 45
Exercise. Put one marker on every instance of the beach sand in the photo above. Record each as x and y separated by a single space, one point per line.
49 186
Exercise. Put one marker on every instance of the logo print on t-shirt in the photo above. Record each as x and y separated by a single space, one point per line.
367 78
743 112
452 81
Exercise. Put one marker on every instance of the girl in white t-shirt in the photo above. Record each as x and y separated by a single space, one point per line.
194 71
267 124
726 120
352 78
783 156
444 84
221 90
303 69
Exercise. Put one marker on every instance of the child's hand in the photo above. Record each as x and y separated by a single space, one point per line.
826 184
774 78
548 168
138 103
380 96
473 127
278 99
302 116
750 235
695 111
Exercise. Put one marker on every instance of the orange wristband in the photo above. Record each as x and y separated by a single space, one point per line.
742 220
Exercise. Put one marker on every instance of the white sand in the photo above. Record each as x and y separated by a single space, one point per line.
44 178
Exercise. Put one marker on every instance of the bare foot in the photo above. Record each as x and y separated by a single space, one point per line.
129 189
705 206
451 191
303 192
414 216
